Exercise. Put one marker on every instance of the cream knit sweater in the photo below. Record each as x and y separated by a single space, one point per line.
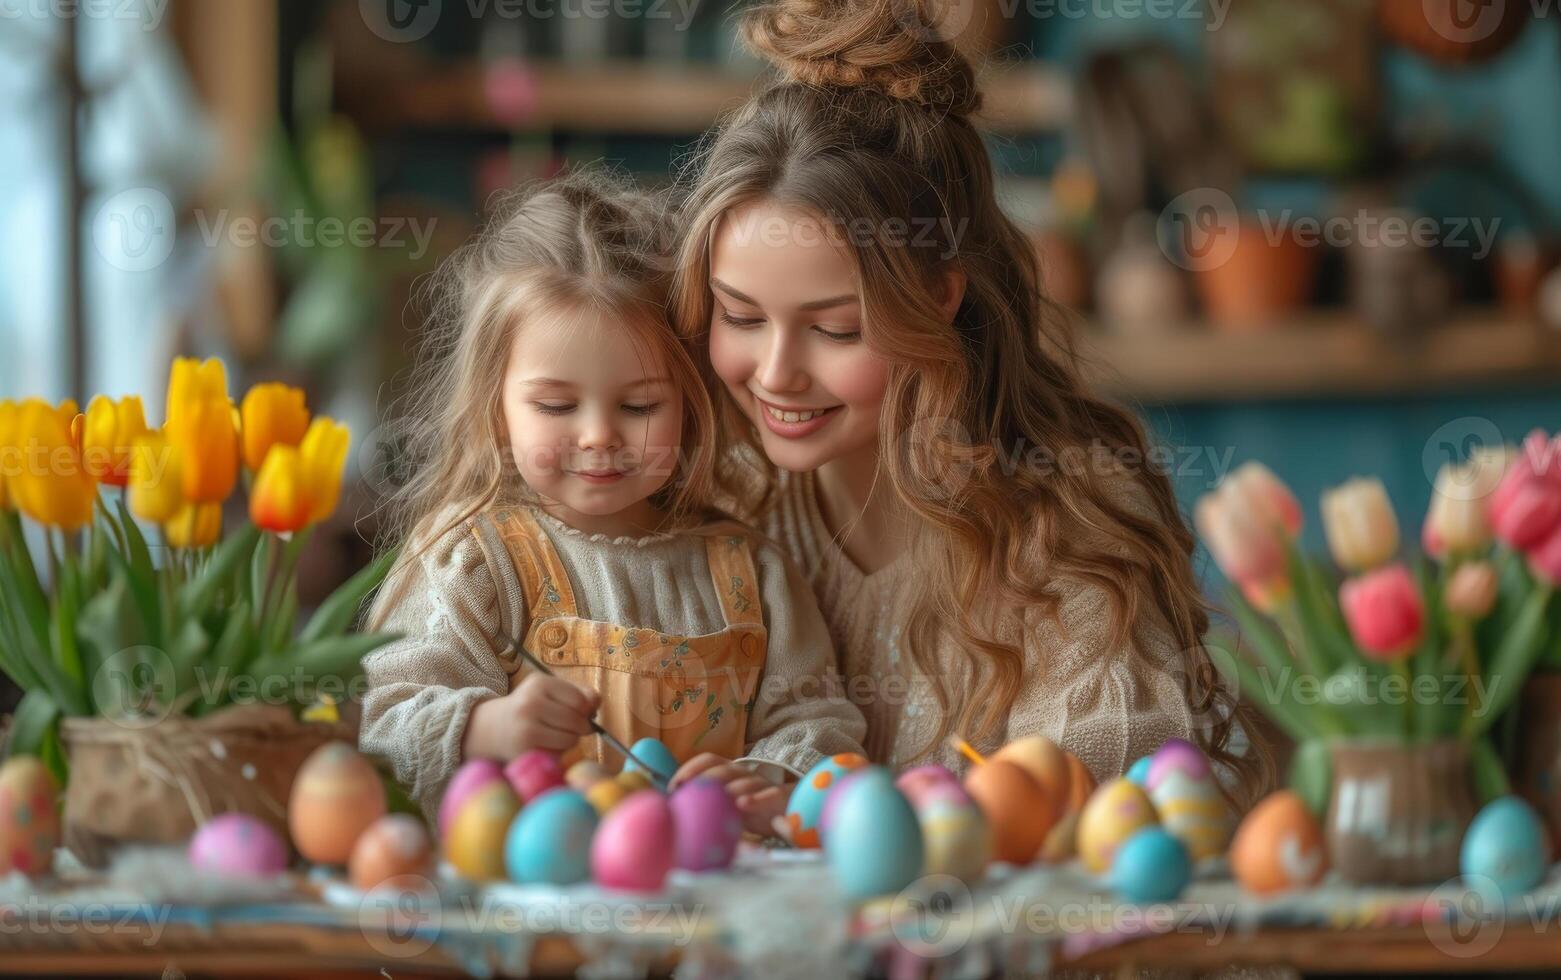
1102 704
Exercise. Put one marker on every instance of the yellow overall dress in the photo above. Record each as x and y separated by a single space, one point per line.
694 693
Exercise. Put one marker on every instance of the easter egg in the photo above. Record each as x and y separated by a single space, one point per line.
584 774
634 780
1044 761
604 794
238 844
1279 846
472 775
875 845
533 773
1138 772
655 754
1507 844
475 844
1118 810
707 826
826 819
1020 810
633 847
805 808
1151 866
393 846
1194 811
336 795
955 835
550 841
1176 756
915 782
1081 784
29 817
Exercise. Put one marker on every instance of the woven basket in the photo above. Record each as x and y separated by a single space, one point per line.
156 784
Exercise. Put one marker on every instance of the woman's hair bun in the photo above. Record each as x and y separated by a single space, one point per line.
895 46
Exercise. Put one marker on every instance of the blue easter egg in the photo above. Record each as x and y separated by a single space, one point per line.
549 841
1151 866
875 845
1507 844
1138 772
655 754
805 809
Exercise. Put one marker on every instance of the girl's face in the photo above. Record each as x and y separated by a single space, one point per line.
786 336
594 421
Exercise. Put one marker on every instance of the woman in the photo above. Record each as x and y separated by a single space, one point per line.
993 553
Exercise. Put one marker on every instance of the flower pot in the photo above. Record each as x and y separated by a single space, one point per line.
1453 32
1538 762
1264 278
1398 811
156 783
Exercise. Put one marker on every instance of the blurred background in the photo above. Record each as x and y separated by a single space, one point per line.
1322 234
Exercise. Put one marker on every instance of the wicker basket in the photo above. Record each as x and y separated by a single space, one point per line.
156 784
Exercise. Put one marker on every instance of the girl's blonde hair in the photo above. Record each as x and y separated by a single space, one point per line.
579 243
871 120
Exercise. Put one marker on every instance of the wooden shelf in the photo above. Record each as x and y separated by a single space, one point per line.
645 99
1319 355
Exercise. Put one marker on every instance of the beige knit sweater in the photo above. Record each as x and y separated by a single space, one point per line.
461 600
1102 704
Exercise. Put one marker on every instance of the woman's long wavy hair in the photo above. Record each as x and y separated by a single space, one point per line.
583 243
870 121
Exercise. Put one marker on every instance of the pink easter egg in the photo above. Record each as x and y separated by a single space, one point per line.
1176 755
533 773
633 847
238 844
468 779
912 783
707 826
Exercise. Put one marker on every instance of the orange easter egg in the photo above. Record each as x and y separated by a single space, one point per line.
336 795
1044 761
1020 810
393 846
1081 784
1278 847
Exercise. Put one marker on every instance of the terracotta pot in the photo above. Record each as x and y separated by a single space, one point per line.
156 784
1538 763
1263 280
1453 32
1398 811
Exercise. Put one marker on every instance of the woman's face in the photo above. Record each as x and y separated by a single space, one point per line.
786 336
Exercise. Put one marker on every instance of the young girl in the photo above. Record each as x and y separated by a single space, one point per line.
992 547
561 445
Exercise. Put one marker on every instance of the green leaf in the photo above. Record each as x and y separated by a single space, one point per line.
337 656
1512 661
187 651
1487 771
228 655
198 594
140 557
35 716
259 571
1238 672
1311 775
108 623
1318 611
63 630
1274 653
337 612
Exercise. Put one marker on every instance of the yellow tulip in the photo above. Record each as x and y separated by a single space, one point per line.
51 485
1361 528
299 486
207 443
272 413
10 452
191 382
156 484
195 526
110 430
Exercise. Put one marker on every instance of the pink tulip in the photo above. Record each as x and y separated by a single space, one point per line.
1471 592
1245 524
1385 612
1525 510
1265 496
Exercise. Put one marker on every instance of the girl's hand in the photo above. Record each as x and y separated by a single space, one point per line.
759 800
542 712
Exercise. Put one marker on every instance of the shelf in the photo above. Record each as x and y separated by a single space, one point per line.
1319 355
639 98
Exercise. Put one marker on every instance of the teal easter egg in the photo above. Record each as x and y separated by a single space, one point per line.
1507 844
805 809
549 841
1138 772
874 846
654 753
1151 866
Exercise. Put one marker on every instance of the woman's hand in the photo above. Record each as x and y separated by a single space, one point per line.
542 712
760 801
